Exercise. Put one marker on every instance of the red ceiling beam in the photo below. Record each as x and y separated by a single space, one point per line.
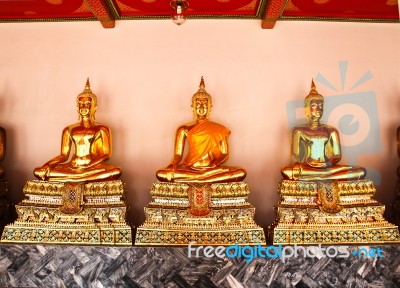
102 13
273 11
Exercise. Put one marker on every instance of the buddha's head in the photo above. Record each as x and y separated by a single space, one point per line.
86 103
201 102
313 104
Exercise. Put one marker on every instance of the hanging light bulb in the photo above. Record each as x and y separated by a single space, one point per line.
179 7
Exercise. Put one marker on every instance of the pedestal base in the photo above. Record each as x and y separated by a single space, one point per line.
208 214
70 213
222 236
335 212
81 234
335 234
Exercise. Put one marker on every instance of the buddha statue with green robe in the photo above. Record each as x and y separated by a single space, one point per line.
321 201
315 147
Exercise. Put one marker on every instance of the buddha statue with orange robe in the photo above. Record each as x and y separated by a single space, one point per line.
90 143
208 148
198 197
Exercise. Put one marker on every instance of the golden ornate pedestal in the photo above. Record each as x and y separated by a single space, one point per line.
209 214
330 212
71 213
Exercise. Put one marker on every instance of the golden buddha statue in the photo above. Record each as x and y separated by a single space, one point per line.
322 202
197 198
78 199
315 148
208 148
91 143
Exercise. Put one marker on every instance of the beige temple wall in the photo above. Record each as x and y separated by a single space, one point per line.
145 72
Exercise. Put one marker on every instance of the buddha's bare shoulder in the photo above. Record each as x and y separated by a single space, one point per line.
71 127
99 126
330 128
306 127
94 126
300 128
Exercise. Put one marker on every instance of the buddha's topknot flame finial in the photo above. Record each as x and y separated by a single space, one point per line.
202 91
202 85
313 94
87 86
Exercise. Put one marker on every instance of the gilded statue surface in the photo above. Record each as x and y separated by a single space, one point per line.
207 148
77 199
88 142
315 147
322 202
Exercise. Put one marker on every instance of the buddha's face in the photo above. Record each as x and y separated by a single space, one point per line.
201 107
86 107
315 109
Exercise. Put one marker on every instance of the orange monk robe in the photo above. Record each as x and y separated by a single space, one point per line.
205 139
